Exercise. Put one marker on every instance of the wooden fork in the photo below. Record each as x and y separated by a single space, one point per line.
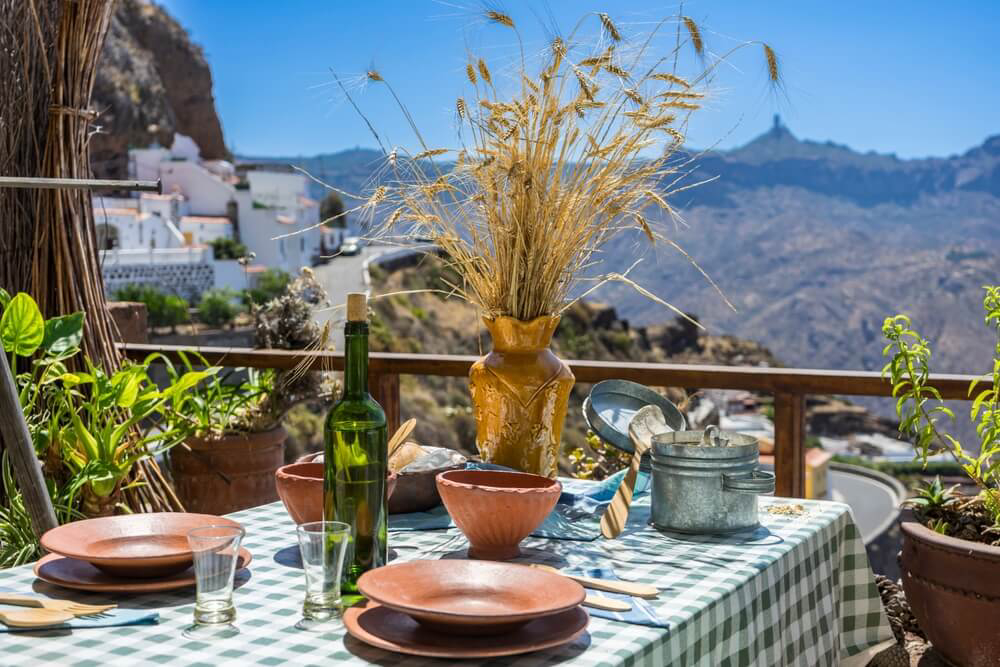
75 608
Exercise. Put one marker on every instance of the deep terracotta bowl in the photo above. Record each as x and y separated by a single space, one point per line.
470 597
300 487
138 546
497 509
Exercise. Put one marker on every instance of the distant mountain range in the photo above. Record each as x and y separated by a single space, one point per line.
815 244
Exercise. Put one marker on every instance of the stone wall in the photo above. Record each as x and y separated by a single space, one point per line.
188 280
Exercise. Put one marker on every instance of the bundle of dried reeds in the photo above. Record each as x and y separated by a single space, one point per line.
49 51
583 149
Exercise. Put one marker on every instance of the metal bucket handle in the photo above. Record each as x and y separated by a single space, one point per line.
756 481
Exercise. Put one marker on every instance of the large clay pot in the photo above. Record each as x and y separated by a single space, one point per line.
953 587
234 472
520 392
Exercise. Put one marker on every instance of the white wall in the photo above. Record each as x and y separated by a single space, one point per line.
204 230
229 273
277 188
205 193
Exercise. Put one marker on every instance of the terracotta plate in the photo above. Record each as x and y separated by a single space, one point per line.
82 576
470 597
393 631
141 546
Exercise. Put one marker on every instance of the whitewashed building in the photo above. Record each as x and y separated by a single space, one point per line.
165 240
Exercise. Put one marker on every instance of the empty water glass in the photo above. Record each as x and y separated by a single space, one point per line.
216 551
323 545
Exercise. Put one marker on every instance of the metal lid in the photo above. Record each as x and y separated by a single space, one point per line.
712 443
612 404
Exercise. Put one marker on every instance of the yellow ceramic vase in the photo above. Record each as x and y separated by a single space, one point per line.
520 392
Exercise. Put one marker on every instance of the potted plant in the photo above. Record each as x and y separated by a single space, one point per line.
553 165
237 440
950 559
89 426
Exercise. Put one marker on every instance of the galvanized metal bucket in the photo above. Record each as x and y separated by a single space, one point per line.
707 481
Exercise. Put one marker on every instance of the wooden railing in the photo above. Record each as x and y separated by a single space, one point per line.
789 386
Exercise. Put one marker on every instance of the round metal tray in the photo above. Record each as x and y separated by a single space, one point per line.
611 405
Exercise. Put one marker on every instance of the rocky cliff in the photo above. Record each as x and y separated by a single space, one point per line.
152 82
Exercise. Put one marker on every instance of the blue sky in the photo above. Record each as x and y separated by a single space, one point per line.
915 78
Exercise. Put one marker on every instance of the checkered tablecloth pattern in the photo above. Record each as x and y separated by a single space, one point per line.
798 591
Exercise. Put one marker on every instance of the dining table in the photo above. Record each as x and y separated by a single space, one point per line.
797 590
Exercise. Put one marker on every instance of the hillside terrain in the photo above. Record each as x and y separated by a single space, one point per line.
152 81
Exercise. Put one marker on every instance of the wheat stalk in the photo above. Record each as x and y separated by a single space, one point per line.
552 171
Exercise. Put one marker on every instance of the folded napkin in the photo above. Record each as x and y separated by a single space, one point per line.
642 612
109 619
577 515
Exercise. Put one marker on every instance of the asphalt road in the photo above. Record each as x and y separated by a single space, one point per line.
874 503
341 275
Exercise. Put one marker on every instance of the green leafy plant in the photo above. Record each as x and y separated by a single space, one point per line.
163 310
18 544
99 428
220 403
934 495
84 424
217 307
227 248
922 412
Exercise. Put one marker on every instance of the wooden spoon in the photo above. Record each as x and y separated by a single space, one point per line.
34 618
646 423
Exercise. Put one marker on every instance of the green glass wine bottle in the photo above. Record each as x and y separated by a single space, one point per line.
356 458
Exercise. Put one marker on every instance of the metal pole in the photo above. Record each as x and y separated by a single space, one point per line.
80 184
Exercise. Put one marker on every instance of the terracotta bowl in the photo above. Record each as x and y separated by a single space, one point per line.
138 546
300 487
496 509
470 597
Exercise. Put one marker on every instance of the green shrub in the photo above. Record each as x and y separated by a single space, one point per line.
226 248
217 308
270 285
163 310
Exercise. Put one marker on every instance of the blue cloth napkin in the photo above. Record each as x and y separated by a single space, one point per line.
642 612
577 515
110 619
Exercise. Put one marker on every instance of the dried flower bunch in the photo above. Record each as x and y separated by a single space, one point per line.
583 149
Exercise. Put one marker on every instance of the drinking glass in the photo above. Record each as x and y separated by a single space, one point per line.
323 545
216 550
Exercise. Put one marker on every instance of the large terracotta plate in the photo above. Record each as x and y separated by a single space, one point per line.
82 576
470 597
132 545
394 631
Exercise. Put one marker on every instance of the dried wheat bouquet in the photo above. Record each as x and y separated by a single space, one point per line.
555 160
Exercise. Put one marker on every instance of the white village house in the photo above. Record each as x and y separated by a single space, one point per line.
163 240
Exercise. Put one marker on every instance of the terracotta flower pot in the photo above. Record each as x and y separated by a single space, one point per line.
227 474
953 587
496 509
520 392
300 486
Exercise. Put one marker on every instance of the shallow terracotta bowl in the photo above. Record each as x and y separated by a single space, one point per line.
470 597
300 487
138 546
497 509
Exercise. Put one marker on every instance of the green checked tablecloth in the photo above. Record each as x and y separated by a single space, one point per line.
798 591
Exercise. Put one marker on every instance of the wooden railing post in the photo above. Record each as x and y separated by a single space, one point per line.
789 444
384 387
27 469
